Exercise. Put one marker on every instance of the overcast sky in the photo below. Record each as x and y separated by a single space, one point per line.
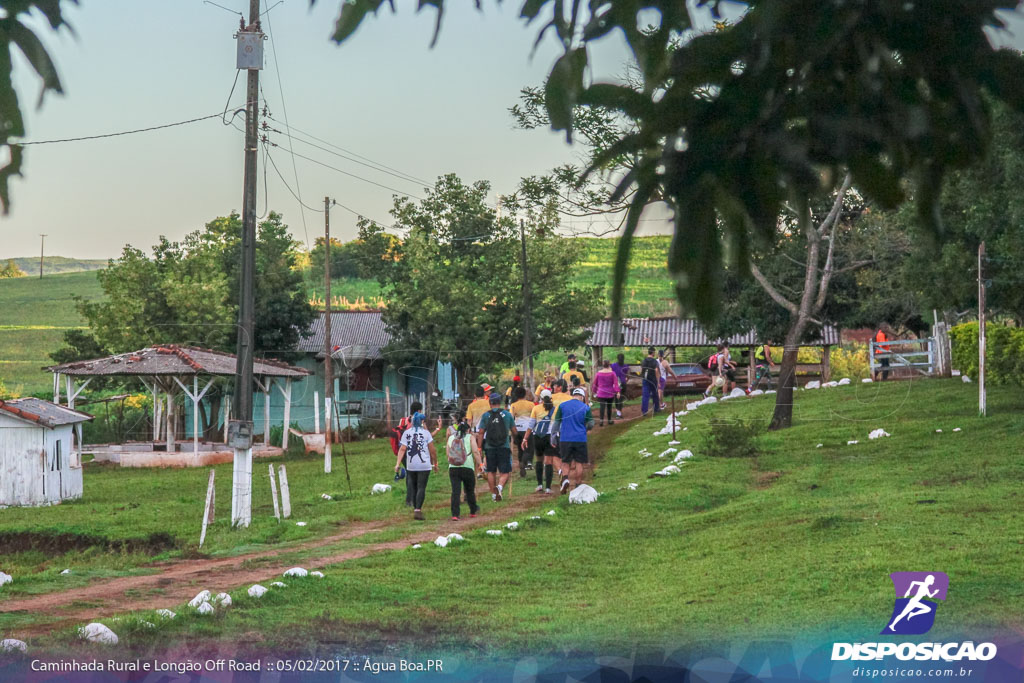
383 95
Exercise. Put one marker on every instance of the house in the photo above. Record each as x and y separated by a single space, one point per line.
38 462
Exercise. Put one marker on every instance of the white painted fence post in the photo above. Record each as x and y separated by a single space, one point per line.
227 416
286 496
273 493
268 383
316 412
287 391
208 510
328 422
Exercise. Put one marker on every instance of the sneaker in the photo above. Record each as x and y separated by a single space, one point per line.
618 413
539 488
499 493
472 514
547 491
494 497
611 422
455 519
418 514
565 485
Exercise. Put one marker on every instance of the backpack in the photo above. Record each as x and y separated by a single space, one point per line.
543 426
713 361
396 433
495 431
457 450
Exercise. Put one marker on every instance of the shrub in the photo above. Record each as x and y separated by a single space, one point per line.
851 361
732 439
1004 352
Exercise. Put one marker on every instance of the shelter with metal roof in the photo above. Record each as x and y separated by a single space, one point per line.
670 333
168 371
38 462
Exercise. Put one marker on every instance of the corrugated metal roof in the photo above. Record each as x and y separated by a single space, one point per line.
348 328
667 332
43 412
174 360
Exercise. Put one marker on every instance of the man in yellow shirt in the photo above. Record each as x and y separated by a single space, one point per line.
569 375
521 410
476 409
562 392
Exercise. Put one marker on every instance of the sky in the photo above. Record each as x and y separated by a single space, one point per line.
384 95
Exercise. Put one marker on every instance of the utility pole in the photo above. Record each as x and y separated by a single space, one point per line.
527 322
982 398
328 351
250 57
42 241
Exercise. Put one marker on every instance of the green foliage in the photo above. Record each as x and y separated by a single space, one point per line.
7 394
11 270
810 89
732 438
1004 352
345 259
455 283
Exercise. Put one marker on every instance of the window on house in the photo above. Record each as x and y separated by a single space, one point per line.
367 378
55 463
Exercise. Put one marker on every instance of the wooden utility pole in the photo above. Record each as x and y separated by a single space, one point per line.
527 322
240 431
42 241
328 351
982 398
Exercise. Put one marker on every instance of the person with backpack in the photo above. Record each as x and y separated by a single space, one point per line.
650 372
606 389
546 457
463 454
420 457
521 410
478 407
569 428
396 444
494 433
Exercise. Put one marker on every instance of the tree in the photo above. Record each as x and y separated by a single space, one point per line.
344 258
11 270
14 33
454 285
776 107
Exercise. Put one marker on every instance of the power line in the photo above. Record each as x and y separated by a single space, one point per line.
353 175
124 132
285 182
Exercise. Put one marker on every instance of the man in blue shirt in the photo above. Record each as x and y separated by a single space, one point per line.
569 426
494 434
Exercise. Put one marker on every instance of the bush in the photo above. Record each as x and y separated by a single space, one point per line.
850 361
732 439
277 434
1004 352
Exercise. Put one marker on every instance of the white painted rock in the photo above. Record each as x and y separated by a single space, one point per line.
756 392
667 451
325 496
632 486
737 393
256 591
708 400
512 526
642 451
454 537
222 599
441 541
318 575
852 443
667 472
815 384
5 578
416 546
13 645
693 406
297 571
205 608
830 385
819 445
300 524
674 443
147 624
65 572
535 517
647 455
494 532
550 513
965 379
380 488
97 633
167 614
956 429
955 373
866 380
844 381
203 596
770 391
878 434
681 456
583 494
278 584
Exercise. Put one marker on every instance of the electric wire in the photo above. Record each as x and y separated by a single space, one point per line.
353 175
119 133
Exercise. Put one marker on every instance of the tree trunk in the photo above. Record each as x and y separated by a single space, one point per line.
783 416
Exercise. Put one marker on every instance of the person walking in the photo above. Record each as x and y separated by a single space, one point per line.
478 406
568 365
546 457
420 457
494 433
396 444
546 383
621 370
560 393
763 366
570 373
882 351
463 454
664 370
606 389
650 371
521 410
569 429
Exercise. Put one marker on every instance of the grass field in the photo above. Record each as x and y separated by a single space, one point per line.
797 540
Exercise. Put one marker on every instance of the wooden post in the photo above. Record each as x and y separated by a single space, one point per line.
287 393
170 422
268 382
227 416
328 419
273 493
208 510
56 388
158 414
751 368
387 406
195 415
982 334
826 363
673 417
316 412
286 496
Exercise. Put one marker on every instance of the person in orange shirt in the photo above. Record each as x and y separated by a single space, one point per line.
881 335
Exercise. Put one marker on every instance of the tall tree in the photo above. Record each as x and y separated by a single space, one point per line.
454 284
11 270
776 107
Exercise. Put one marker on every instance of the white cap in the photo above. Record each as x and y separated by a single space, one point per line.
544 393
578 392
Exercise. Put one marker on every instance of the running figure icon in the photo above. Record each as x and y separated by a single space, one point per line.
915 606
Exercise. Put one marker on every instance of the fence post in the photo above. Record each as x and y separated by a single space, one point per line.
273 493
208 510
286 496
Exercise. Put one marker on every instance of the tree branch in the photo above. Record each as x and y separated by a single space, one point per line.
832 221
771 291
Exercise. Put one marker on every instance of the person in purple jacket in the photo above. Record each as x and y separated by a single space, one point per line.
621 370
606 389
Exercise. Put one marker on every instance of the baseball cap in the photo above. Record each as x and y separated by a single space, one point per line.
545 393
580 364
494 398
516 378
578 392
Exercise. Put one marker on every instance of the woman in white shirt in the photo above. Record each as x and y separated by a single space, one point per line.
417 448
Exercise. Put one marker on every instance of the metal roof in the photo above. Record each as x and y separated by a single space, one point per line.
43 412
173 360
348 328
681 332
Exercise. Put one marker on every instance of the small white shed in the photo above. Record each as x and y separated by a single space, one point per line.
39 464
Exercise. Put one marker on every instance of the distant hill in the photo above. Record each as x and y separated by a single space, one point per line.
55 265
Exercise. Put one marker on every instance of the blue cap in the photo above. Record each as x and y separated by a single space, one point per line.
494 398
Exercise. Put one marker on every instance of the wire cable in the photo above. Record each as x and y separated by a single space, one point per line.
283 181
353 175
124 132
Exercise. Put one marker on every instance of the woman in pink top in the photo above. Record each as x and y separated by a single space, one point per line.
606 389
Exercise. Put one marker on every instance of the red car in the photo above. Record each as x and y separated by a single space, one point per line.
690 378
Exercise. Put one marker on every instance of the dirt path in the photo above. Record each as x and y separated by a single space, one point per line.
177 582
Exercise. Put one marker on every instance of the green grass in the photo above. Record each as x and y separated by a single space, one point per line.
797 541
31 302
54 265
